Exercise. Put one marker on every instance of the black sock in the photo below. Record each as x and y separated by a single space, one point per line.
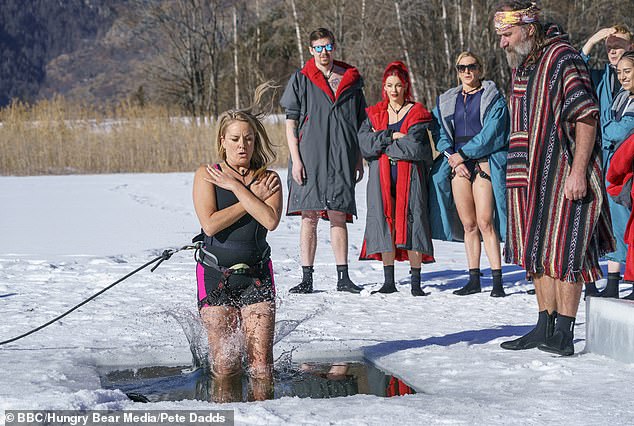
496 274
307 272
474 276
342 273
614 277
415 276
388 274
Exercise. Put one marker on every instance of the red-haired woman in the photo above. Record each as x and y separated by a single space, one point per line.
395 142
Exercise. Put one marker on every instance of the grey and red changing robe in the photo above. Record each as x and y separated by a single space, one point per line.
407 215
327 131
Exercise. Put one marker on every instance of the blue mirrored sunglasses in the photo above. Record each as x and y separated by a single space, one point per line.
320 49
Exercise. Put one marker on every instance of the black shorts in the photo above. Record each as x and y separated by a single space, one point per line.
238 291
473 165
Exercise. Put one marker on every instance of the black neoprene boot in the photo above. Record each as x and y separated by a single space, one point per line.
560 342
590 290
538 335
388 285
416 289
611 290
306 286
498 289
473 286
344 283
631 295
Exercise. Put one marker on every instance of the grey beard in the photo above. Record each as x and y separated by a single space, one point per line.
517 55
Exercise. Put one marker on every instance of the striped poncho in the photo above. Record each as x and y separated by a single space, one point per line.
546 232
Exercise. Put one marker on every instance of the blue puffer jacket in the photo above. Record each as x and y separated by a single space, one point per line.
491 142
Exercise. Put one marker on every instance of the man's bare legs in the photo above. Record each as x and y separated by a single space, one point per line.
339 236
546 292
339 244
568 297
308 237
307 249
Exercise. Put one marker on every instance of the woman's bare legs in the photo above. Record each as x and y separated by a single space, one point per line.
463 197
225 349
258 323
484 203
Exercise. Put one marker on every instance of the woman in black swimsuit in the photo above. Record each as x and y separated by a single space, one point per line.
237 202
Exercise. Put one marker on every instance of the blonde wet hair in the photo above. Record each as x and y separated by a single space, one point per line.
263 148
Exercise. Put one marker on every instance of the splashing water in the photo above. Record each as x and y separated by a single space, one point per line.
196 335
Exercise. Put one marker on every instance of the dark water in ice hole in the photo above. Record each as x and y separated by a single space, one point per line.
306 380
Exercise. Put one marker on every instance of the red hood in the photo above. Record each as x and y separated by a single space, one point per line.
379 117
350 77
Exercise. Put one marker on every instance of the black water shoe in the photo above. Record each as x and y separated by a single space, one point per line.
538 335
611 290
302 288
498 288
417 291
349 286
344 283
561 342
473 286
306 286
386 288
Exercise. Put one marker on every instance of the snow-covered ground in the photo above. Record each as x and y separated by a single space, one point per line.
64 238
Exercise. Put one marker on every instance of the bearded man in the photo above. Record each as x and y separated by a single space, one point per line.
558 218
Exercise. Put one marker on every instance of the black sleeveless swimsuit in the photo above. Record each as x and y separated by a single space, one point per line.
242 242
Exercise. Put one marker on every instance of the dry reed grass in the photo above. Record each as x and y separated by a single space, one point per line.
56 137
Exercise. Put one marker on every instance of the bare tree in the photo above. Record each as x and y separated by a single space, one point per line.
186 38
405 50
236 73
297 33
196 67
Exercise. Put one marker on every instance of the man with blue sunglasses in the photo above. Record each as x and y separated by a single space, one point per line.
325 107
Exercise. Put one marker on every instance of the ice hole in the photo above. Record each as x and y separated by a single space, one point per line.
305 380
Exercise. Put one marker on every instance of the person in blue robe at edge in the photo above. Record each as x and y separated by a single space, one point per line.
467 187
619 127
618 39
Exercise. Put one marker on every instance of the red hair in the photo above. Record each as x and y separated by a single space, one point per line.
398 69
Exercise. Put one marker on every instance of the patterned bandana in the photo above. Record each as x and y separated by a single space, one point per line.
507 18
